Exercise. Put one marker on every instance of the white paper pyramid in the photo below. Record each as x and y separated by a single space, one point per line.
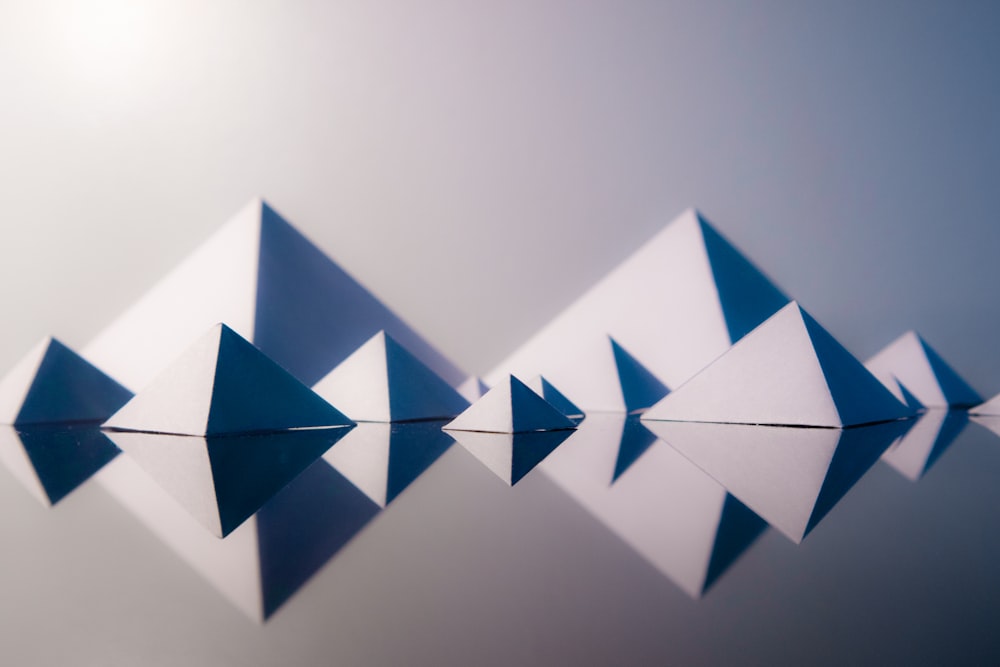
273 286
677 303
53 384
787 371
668 510
473 388
546 390
382 382
223 385
791 477
989 408
510 407
914 364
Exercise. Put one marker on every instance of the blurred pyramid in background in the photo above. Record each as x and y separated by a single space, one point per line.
544 388
990 407
267 281
910 362
473 389
223 385
788 371
510 407
382 382
53 384
677 303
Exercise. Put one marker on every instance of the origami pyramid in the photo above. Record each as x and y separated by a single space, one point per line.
221 481
510 407
384 459
928 438
264 561
223 385
53 384
511 456
473 389
382 382
990 407
791 477
544 388
51 461
268 282
787 371
664 507
909 361
677 303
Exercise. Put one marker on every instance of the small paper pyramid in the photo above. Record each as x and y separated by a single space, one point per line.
914 364
382 382
510 407
788 371
53 384
473 388
677 303
223 385
271 284
989 408
544 388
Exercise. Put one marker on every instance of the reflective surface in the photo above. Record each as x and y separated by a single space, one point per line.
618 548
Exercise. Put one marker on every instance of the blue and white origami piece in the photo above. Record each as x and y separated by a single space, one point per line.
510 407
548 391
908 366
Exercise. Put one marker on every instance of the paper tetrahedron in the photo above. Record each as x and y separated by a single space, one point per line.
382 382
510 407
53 384
788 371
912 363
544 388
223 385
272 285
677 303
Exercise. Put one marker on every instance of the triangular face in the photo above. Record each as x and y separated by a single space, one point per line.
53 384
273 286
791 477
382 382
990 407
510 407
222 481
677 303
913 363
787 371
640 388
223 385
544 388
511 456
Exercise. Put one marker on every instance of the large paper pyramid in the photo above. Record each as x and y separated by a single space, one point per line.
791 477
676 304
788 371
909 361
221 481
223 385
510 407
53 384
273 286
382 382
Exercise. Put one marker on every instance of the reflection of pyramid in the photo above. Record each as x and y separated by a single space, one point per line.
928 438
912 363
268 282
677 303
384 459
510 407
787 371
224 385
546 390
53 384
382 382
792 477
222 481
510 456
673 514
51 461
261 564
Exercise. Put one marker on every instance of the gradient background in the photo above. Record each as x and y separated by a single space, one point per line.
480 164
